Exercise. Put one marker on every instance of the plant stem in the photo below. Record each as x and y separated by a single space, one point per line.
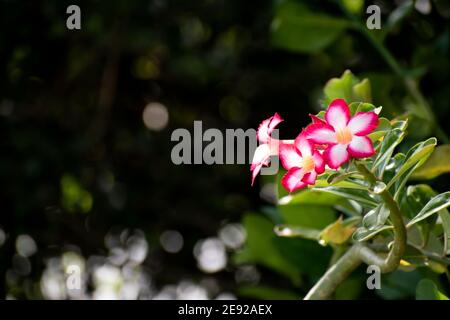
335 275
359 253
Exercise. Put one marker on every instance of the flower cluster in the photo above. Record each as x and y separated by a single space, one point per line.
330 142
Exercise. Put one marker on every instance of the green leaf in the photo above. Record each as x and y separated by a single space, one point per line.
349 207
436 204
339 176
375 218
400 124
384 125
361 195
347 87
308 196
298 29
261 248
415 198
307 215
363 234
322 182
399 285
427 290
392 167
437 164
350 288
390 141
336 233
292 231
363 91
415 157
413 201
414 257
356 107
309 257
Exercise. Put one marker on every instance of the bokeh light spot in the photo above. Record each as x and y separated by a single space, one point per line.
25 245
155 116
171 241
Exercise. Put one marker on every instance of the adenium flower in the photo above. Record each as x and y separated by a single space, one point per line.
344 136
268 146
303 163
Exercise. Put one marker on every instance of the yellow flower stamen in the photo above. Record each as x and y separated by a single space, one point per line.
308 164
344 136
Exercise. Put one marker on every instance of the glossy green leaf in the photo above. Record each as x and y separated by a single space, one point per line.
375 218
415 157
361 195
436 204
356 107
363 234
308 196
390 141
393 166
337 177
384 125
415 198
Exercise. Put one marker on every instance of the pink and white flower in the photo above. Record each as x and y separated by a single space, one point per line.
303 163
345 136
268 146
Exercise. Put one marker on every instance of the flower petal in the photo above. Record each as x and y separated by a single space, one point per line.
337 114
305 146
363 123
316 119
261 158
320 133
255 170
266 127
292 180
336 155
310 177
290 156
318 162
361 147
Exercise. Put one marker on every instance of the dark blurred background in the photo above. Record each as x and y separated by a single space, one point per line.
86 118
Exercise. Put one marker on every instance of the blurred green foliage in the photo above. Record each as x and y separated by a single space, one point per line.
78 160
